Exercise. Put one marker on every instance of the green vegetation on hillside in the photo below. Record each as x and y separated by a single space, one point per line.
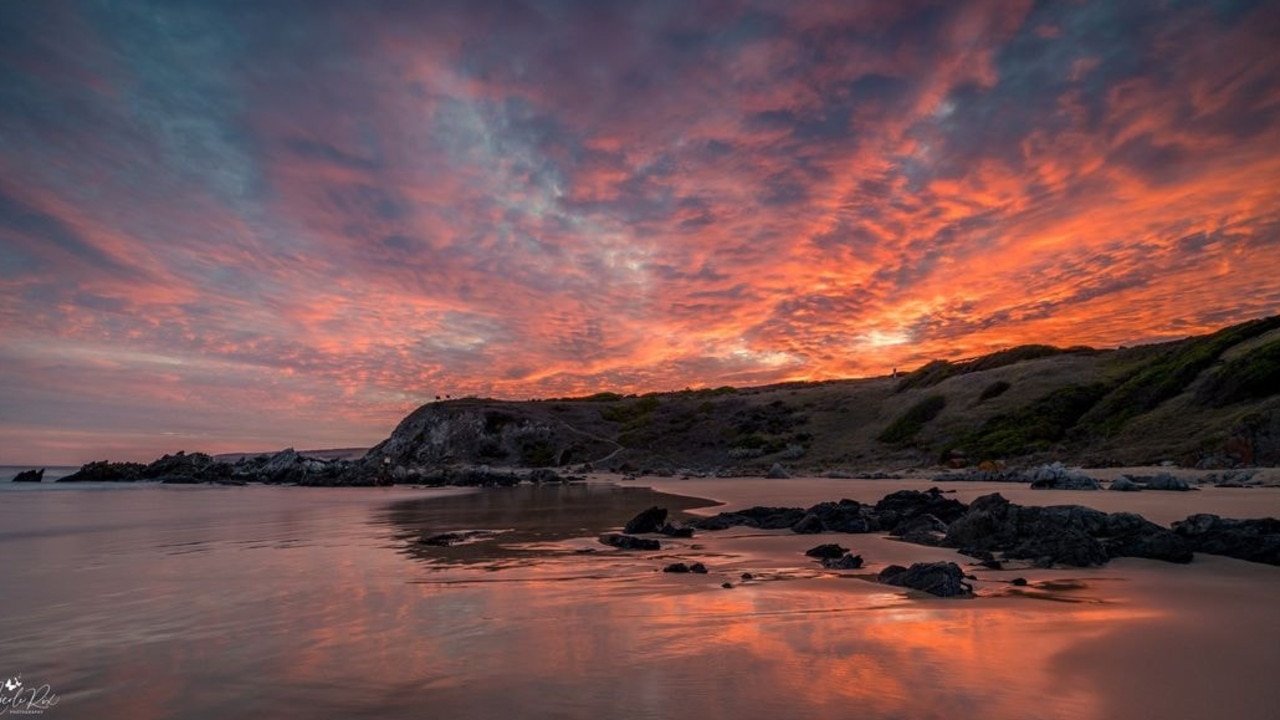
1078 404
1253 375
936 371
1034 427
994 390
1166 376
929 375
906 427
631 412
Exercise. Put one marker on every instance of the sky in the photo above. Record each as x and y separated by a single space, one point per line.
232 225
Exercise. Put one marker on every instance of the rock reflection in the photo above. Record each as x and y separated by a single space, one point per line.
526 521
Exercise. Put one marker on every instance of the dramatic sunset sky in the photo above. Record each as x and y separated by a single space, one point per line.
238 225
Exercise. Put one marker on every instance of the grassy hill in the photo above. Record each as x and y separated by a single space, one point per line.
1212 399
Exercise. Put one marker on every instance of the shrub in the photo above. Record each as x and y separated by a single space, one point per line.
1036 426
1011 356
1168 375
994 390
1254 375
909 424
929 375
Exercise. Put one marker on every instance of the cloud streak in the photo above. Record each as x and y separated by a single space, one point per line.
291 223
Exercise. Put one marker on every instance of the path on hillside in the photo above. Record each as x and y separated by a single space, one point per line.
618 447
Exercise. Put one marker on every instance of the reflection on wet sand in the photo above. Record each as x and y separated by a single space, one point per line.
338 614
526 521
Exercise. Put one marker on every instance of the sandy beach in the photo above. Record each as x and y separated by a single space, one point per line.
145 600
1135 638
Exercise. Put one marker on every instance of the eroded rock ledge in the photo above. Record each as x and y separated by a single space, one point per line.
1070 535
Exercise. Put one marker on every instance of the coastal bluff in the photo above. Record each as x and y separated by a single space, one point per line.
1208 402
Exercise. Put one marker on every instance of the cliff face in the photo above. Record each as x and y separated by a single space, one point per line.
1212 401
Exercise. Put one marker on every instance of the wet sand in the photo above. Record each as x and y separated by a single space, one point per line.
1136 638
202 602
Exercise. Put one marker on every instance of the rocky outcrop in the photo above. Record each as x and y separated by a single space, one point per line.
182 467
29 476
943 579
765 518
826 551
696 568
1253 540
1124 484
1057 476
476 432
1061 534
1131 535
1161 481
648 521
904 505
629 542
104 471
777 472
921 530
846 516
847 561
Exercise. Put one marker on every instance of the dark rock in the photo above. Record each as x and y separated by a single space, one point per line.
1060 534
627 542
944 579
1124 484
904 505
648 521
747 576
483 476
990 523
777 472
670 530
766 518
676 568
921 530
1163 481
810 524
846 516
198 466
828 550
698 568
282 468
29 476
1059 477
1131 535
1253 540
545 476
992 564
103 471
848 562
1018 582
726 585
1063 546
1065 534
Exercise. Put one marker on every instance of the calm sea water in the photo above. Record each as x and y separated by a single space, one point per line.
145 601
